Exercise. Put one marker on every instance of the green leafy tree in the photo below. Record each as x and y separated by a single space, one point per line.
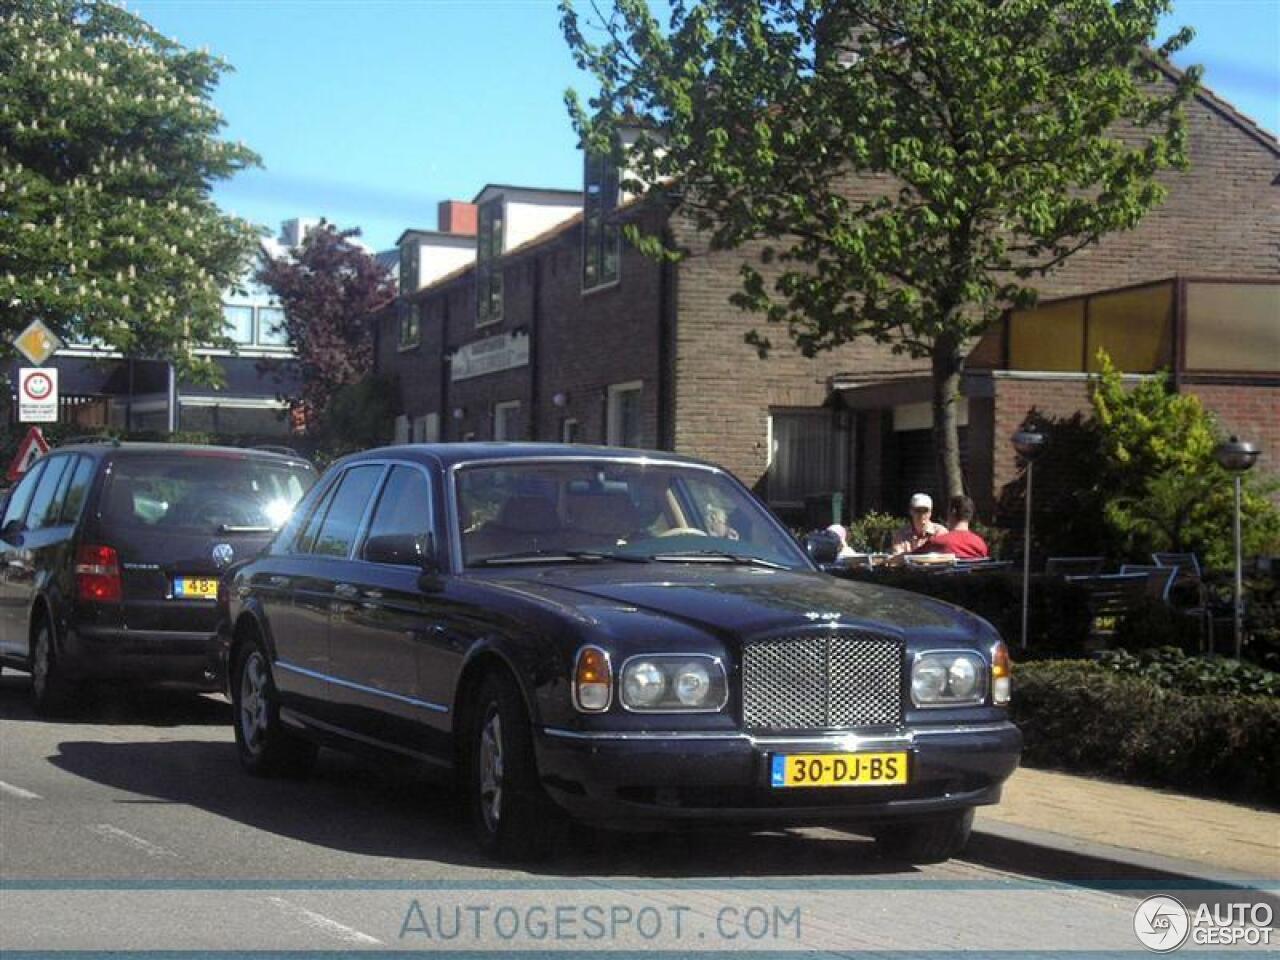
1163 488
109 145
908 167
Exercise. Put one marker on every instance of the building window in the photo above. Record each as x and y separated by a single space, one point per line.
271 331
601 243
801 456
569 430
505 426
410 315
623 428
238 323
426 429
489 263
408 266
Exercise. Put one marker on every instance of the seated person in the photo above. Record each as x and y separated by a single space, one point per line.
718 522
959 540
841 535
913 536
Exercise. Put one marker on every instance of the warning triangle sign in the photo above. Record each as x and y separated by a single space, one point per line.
33 447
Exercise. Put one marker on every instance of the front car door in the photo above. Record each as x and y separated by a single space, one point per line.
13 556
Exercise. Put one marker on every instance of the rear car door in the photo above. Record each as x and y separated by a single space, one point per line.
385 636
303 669
177 519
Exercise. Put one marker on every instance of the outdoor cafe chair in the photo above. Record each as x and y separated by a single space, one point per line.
1188 563
1073 566
1111 597
1189 574
1159 579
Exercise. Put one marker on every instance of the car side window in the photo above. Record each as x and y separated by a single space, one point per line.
16 509
403 511
306 538
346 510
45 505
78 489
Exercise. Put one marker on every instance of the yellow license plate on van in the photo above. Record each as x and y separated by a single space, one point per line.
195 588
838 770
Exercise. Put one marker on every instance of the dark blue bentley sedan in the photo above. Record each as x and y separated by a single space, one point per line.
621 637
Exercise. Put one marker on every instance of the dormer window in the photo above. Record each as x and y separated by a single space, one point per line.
489 263
408 266
410 317
601 239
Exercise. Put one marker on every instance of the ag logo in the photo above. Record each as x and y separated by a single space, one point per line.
223 554
1161 924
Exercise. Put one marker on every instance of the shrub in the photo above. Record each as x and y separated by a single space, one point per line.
871 532
1086 717
1172 669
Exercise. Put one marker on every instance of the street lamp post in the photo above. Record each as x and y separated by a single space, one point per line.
1029 444
1236 456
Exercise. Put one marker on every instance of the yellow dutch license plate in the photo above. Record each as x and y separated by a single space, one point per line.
195 588
838 770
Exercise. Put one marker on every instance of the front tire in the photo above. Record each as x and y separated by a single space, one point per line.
511 817
925 841
265 746
51 692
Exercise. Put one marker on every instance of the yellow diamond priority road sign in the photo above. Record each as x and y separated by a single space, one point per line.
37 343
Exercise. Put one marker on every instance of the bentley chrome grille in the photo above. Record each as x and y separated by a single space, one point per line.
822 682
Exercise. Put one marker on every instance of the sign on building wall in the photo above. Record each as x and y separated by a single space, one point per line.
490 355
38 395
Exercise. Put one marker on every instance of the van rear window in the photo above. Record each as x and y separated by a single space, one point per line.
204 492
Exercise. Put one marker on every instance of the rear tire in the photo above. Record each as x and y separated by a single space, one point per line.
511 817
266 748
51 692
925 841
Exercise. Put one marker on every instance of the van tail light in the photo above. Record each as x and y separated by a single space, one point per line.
98 575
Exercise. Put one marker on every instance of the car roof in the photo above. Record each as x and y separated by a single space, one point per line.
126 448
452 454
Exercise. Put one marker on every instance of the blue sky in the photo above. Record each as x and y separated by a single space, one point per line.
369 112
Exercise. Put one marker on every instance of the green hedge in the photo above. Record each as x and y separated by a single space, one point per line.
1085 717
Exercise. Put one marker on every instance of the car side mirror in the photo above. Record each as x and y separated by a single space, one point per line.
822 548
13 531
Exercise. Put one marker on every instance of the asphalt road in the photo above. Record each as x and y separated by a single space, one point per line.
131 826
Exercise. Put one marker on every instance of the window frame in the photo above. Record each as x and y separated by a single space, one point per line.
490 248
408 318
615 391
252 341
363 522
601 195
499 408
62 461
366 528
260 325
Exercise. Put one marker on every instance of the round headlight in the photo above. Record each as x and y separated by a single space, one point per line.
964 678
693 684
643 684
928 681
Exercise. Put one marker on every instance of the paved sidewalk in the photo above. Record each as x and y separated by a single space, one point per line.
1224 835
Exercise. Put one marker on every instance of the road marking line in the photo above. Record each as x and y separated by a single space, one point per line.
18 792
109 832
322 923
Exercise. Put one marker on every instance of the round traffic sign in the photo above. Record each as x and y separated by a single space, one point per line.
38 385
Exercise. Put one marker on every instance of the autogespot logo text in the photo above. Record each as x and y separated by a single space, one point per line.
1162 924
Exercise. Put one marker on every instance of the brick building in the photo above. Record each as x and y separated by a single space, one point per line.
558 330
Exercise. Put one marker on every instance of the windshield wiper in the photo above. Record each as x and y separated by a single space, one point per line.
719 556
248 528
552 556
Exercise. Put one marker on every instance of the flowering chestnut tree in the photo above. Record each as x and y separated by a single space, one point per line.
329 289
109 146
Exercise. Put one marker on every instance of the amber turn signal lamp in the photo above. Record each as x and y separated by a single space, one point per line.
592 680
1001 674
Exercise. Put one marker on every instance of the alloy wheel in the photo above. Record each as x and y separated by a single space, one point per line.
253 702
491 772
40 664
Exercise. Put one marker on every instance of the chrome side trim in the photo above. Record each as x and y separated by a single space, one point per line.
847 741
350 685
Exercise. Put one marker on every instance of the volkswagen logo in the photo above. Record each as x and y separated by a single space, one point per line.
223 554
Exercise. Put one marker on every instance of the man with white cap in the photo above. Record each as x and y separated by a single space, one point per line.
917 533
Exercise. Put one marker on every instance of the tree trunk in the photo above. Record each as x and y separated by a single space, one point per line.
948 364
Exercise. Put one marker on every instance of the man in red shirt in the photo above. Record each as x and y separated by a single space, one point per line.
959 540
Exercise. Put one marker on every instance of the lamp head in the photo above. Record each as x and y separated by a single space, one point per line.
1029 444
1236 455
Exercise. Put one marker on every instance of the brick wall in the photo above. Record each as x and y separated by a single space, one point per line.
1222 217
1249 410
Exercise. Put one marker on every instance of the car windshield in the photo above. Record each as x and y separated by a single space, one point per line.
205 491
593 510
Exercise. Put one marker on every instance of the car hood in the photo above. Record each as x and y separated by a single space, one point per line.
738 600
